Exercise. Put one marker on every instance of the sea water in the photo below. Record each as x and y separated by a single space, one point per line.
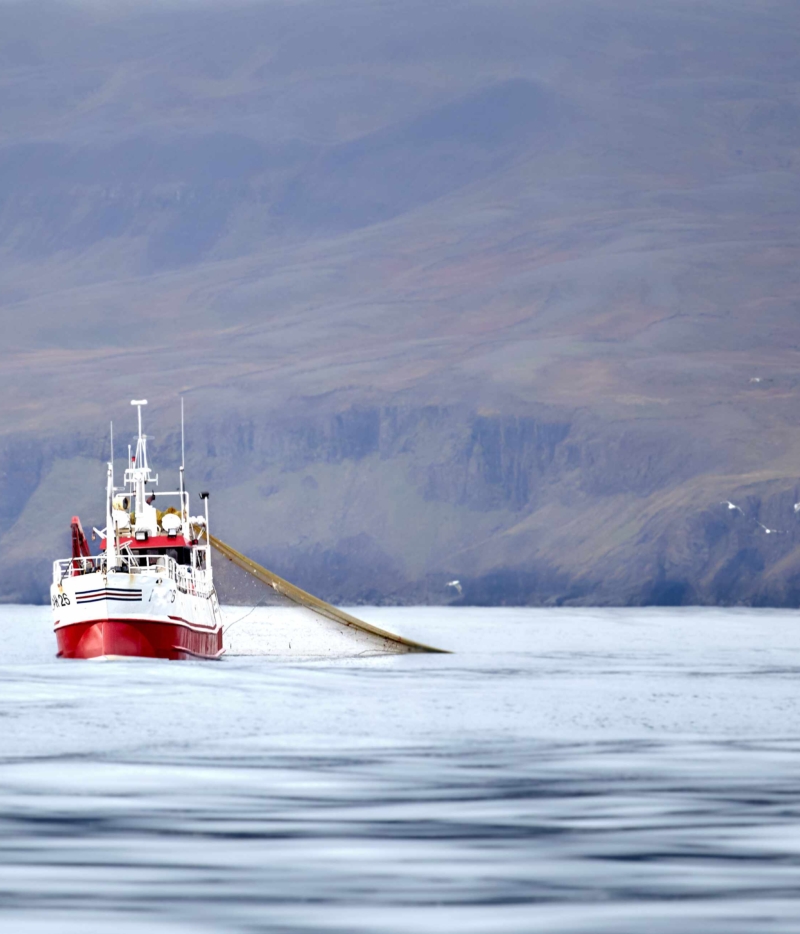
563 771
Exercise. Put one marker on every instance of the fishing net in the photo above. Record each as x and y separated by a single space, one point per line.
266 615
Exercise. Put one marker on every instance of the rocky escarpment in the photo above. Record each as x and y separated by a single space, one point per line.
391 504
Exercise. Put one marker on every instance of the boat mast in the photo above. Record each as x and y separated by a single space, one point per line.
140 472
184 510
111 531
204 497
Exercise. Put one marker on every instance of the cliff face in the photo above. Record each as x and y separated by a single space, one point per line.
391 504
497 292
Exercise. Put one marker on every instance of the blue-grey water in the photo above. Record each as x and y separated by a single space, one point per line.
565 771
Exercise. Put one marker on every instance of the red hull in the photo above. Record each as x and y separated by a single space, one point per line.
137 638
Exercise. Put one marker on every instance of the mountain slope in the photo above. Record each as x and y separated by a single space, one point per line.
503 292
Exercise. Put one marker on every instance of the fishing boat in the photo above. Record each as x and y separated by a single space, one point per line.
150 591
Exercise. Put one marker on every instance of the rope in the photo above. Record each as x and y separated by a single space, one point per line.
252 609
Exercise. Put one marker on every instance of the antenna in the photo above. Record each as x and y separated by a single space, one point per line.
204 497
183 449
139 403
112 454
184 507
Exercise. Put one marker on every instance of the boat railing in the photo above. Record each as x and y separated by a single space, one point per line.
72 567
186 579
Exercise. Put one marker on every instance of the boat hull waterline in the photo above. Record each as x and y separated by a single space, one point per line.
145 615
142 638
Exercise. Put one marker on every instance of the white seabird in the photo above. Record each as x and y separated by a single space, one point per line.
730 505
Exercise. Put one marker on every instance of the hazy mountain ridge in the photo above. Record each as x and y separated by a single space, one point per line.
391 504
537 263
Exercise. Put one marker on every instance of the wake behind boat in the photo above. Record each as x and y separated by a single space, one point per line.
150 592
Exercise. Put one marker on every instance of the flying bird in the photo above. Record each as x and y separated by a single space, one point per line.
456 585
730 505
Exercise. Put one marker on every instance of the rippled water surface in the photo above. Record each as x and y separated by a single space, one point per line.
564 771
